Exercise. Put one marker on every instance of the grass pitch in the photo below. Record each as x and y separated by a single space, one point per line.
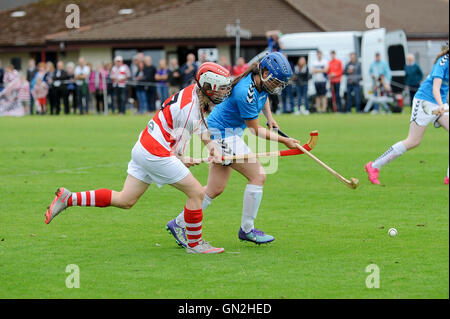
326 234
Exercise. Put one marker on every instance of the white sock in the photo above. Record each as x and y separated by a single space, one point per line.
252 200
206 202
180 218
447 170
392 153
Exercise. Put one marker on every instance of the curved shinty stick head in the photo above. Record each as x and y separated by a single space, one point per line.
354 183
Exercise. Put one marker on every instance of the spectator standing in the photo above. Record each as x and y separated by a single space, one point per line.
120 73
273 41
59 87
51 90
141 93
377 68
40 92
149 77
162 75
319 70
109 87
132 88
24 94
70 90
188 70
81 73
203 59
31 72
302 76
335 71
174 77
2 73
97 86
287 95
413 76
274 45
353 73
240 67
225 63
40 75
10 75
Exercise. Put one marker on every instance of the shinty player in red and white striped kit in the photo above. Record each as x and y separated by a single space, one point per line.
158 156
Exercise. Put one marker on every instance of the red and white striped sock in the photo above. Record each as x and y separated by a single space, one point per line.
98 198
193 220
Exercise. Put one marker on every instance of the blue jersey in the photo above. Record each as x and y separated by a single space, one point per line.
440 70
245 103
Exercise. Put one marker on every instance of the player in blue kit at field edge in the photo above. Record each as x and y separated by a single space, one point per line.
429 105
227 122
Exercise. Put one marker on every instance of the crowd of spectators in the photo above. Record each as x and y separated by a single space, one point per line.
143 87
326 77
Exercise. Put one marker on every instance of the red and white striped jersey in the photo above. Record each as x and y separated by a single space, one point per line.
119 75
171 128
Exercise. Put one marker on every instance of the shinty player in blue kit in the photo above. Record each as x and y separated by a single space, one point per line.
226 123
429 105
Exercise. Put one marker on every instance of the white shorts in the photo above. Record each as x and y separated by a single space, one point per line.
421 117
150 168
232 145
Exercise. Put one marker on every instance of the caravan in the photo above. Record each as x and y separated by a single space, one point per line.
391 45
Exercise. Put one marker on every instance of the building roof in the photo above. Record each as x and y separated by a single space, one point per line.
418 18
198 19
169 20
48 17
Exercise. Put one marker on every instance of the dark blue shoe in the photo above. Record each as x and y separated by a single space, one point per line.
177 232
255 236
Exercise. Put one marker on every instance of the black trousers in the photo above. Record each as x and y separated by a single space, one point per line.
52 99
274 101
151 98
72 93
60 93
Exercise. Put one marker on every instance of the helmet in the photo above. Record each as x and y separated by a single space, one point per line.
214 81
280 72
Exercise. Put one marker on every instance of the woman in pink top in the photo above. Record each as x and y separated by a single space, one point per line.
97 83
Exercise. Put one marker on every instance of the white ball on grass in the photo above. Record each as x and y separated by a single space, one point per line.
392 232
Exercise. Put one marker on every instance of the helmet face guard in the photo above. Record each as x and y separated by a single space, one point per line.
279 72
271 84
216 94
214 81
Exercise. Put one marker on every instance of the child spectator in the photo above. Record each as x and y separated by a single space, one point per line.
40 91
24 94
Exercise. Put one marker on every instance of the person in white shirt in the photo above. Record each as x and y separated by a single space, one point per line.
319 69
82 72
119 75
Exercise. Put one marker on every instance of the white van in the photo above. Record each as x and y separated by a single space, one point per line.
391 45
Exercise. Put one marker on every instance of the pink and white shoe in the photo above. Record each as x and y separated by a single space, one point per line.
58 204
204 247
373 173
446 180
